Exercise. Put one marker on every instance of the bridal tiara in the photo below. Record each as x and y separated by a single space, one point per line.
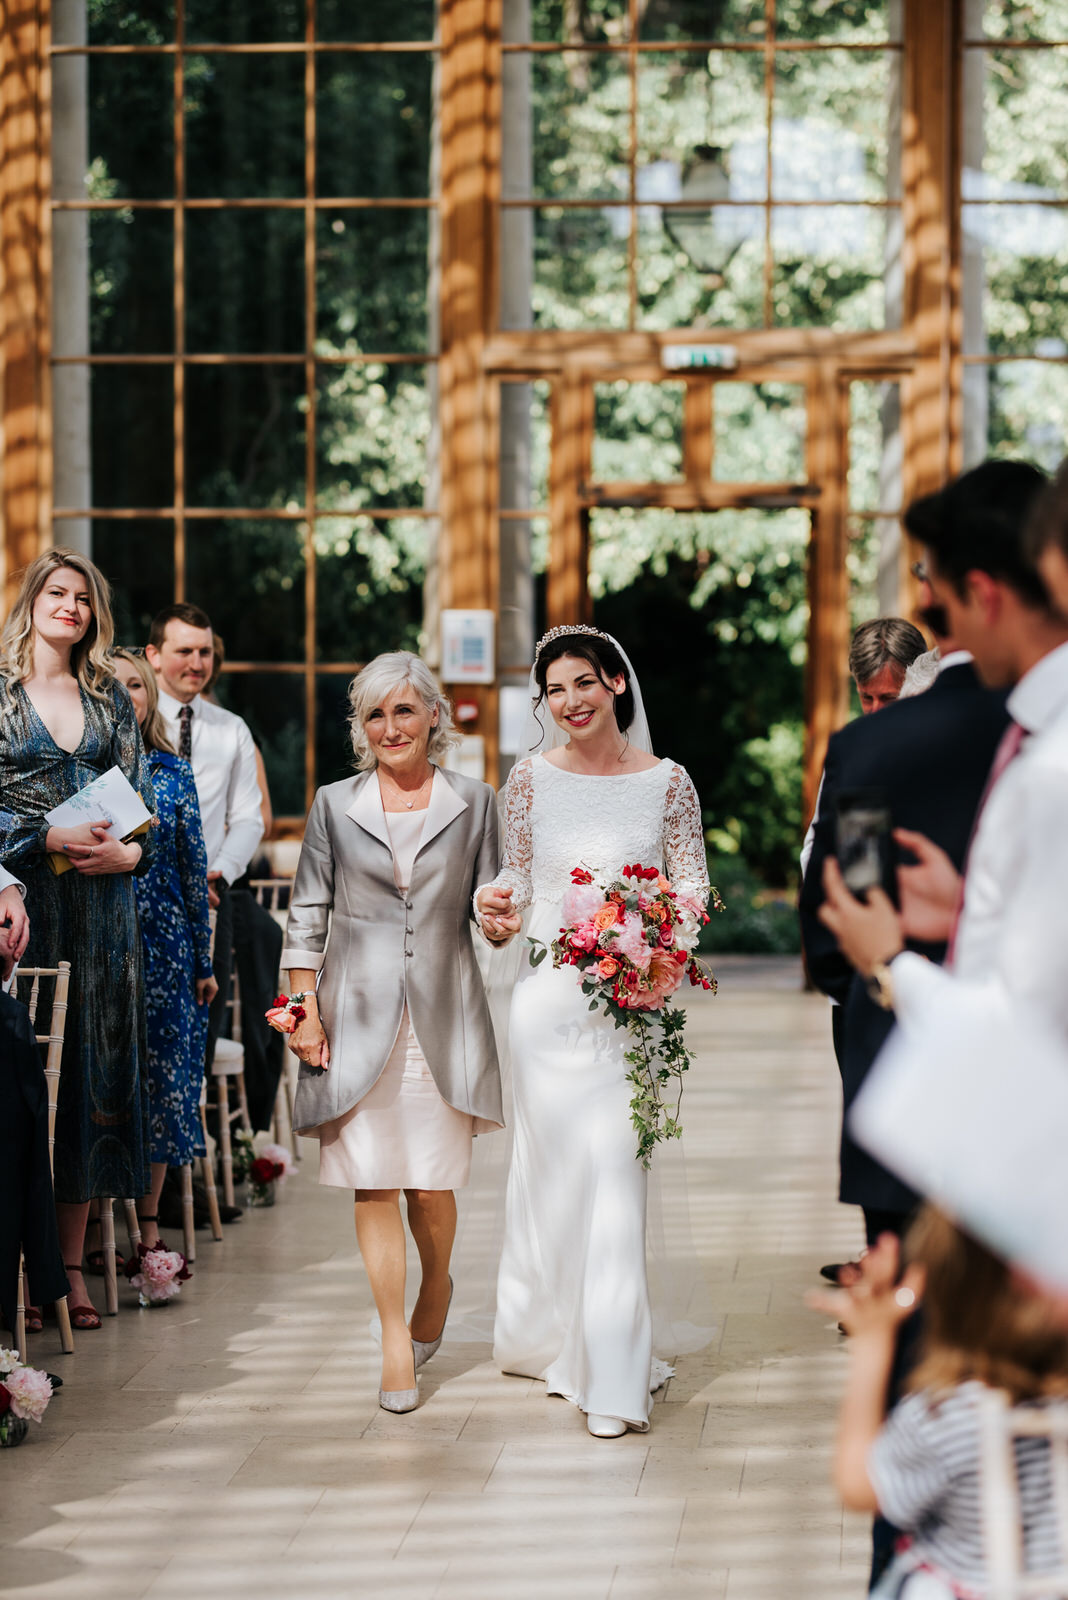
569 628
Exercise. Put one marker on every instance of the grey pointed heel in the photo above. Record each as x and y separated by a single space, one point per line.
398 1400
425 1348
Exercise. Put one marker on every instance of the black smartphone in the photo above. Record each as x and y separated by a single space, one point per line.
864 842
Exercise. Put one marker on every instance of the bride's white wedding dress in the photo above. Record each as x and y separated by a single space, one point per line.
572 1293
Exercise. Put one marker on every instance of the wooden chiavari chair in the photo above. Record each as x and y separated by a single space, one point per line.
269 893
1001 1425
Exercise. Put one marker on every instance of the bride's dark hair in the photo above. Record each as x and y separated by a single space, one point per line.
606 662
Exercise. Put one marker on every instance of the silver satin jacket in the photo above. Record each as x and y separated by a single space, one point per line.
376 948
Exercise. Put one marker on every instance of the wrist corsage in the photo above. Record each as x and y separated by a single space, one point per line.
287 1011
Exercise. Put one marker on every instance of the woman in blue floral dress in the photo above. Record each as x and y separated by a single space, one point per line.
172 899
63 722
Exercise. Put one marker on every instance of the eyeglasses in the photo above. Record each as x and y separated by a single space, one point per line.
919 571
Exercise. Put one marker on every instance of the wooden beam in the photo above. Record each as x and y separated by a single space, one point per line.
826 672
929 417
467 552
25 467
567 590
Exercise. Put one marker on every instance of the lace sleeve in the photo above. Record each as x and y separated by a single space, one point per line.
684 840
515 873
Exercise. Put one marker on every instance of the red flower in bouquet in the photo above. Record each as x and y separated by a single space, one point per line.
264 1170
632 941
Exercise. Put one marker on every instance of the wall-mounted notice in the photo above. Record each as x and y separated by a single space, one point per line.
467 646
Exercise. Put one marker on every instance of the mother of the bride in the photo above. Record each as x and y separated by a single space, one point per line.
398 1064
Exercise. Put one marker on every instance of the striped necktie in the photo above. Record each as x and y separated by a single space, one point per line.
185 733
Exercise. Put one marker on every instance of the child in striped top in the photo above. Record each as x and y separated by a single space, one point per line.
919 1466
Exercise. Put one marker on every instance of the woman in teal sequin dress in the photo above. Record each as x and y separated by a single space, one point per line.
172 898
64 720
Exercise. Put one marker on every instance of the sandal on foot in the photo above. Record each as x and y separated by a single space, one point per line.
84 1318
94 1259
34 1318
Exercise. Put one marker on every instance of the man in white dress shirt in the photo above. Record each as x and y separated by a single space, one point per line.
219 747
1009 927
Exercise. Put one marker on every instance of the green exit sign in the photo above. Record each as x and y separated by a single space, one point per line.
686 357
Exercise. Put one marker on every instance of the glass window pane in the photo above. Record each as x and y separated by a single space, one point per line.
244 281
702 126
244 429
845 21
244 122
1026 19
112 287
374 21
875 446
132 435
113 22
701 268
244 22
580 268
369 577
758 432
1016 409
577 108
638 432
562 22
333 746
137 558
373 121
128 104
372 272
1009 94
1013 279
249 578
372 431
831 125
272 703
740 21
525 439
830 263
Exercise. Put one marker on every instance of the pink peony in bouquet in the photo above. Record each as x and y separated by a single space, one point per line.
633 942
24 1396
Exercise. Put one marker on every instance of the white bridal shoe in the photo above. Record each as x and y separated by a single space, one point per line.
605 1427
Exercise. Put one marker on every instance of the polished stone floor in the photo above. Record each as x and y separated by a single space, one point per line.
231 1444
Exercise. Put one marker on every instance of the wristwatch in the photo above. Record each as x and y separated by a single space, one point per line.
880 986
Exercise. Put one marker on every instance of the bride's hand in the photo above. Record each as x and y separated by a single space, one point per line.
499 920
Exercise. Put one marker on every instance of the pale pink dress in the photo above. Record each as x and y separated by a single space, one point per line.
402 1134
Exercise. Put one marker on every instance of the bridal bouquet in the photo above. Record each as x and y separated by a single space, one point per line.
24 1396
633 942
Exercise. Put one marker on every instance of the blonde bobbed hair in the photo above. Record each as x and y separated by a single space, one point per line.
154 734
90 662
373 686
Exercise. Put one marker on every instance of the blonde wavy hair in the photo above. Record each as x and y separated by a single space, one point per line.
384 676
90 660
154 733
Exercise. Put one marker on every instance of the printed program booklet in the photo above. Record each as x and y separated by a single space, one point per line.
109 798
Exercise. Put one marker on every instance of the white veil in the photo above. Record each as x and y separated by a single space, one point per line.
681 1304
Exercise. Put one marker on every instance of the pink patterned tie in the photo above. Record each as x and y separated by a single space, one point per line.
1007 751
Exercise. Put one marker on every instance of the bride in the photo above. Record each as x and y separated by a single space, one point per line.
573 1303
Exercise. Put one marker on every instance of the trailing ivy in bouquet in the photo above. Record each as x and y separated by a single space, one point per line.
633 942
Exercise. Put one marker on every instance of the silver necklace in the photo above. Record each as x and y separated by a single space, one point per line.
410 804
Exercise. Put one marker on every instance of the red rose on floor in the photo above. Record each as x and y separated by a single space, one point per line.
263 1171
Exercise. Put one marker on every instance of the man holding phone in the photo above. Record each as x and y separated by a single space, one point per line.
927 759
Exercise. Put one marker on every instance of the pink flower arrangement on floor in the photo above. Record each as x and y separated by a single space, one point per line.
24 1396
633 942
157 1273
281 1157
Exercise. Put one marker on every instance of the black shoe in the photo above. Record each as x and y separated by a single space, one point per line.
200 1205
832 1272
55 1380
